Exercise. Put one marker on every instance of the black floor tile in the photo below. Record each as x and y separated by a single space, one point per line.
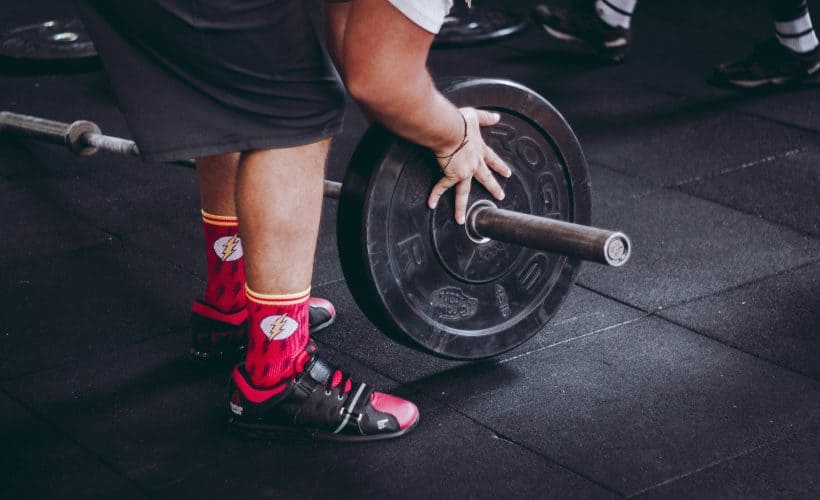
182 246
448 456
159 421
39 462
79 305
787 469
36 227
777 318
584 313
741 18
612 190
691 141
782 189
636 405
800 107
685 248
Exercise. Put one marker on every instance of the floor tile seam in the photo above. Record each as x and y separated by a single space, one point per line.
326 284
89 452
721 461
500 435
572 339
789 227
475 421
738 168
771 119
651 189
739 348
84 220
729 289
147 252
613 298
730 103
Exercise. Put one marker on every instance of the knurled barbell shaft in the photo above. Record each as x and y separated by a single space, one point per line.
551 235
85 138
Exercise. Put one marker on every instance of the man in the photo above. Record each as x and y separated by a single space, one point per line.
245 88
791 56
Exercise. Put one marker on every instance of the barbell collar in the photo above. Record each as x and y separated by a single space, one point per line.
588 243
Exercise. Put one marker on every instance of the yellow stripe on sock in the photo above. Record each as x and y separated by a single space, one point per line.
285 299
219 220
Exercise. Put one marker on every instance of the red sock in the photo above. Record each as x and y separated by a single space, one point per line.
225 289
278 332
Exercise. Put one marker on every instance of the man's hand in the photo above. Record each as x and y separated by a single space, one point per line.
474 159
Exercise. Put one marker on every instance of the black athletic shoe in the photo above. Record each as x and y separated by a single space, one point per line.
215 334
582 24
319 403
770 64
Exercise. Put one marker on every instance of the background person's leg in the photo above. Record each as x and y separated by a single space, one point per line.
792 24
791 56
602 25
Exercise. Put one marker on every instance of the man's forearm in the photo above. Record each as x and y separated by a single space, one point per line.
384 66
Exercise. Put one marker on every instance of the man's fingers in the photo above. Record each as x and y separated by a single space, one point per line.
486 178
439 189
487 117
495 162
462 195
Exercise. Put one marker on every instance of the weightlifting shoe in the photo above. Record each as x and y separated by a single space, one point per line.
582 25
319 403
769 64
215 334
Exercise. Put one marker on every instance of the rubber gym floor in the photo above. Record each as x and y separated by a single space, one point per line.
693 371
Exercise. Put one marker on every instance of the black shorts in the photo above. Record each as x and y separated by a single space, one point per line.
197 78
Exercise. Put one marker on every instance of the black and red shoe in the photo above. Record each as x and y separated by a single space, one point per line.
215 334
319 403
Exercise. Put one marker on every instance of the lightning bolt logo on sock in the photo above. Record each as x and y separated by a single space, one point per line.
278 327
228 248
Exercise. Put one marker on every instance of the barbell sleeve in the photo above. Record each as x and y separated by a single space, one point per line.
551 235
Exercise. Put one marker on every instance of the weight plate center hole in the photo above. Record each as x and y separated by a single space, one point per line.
469 225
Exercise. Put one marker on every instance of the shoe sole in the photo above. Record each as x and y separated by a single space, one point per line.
613 50
811 74
276 433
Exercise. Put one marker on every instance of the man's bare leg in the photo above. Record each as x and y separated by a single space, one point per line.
279 200
279 197
218 322
216 178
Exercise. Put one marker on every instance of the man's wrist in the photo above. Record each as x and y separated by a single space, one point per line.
445 156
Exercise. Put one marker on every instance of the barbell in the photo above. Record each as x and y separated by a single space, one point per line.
465 292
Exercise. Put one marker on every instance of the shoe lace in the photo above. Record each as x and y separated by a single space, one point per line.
341 380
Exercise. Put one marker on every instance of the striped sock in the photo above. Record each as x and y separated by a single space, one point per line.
797 35
225 287
616 13
278 332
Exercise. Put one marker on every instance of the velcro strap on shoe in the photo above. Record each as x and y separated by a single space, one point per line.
317 373
318 370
